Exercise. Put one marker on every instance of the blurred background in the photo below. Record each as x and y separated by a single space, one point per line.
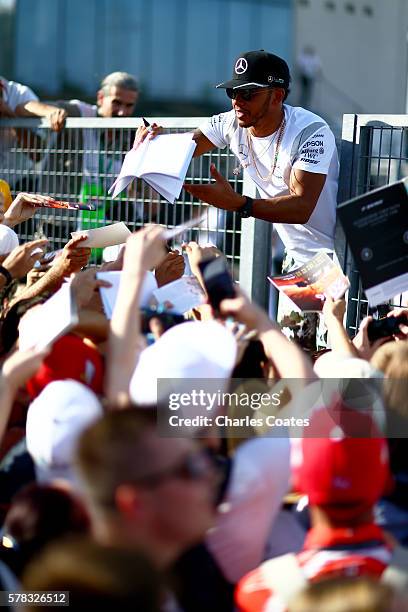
179 49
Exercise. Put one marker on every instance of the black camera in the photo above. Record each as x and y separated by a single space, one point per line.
385 328
217 280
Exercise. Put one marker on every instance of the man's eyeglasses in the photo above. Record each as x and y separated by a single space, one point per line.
245 94
193 467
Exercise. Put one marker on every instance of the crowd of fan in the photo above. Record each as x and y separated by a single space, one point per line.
96 502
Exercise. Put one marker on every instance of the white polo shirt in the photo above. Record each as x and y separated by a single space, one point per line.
15 94
14 165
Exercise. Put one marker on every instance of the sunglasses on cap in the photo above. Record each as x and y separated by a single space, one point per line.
246 94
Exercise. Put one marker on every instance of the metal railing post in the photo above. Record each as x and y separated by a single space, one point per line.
349 156
255 253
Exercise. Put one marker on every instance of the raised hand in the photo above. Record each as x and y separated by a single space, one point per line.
144 250
84 285
144 132
23 207
21 259
219 194
21 365
334 308
73 256
170 269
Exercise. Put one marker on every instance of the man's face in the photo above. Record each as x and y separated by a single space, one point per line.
250 112
181 509
119 103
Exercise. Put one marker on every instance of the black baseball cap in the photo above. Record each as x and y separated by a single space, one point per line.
255 69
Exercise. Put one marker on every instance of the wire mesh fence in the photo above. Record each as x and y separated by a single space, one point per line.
374 153
79 164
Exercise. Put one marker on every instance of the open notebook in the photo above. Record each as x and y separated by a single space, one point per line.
161 161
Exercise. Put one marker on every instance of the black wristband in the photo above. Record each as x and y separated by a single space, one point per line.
6 274
246 210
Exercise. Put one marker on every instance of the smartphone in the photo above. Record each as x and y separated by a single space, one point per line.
386 327
217 280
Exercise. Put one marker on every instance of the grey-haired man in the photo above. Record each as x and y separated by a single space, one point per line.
117 97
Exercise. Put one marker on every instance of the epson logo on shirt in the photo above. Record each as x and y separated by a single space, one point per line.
313 143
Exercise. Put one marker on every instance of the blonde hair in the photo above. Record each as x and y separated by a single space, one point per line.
383 355
396 379
343 594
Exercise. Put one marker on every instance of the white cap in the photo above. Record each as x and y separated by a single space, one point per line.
338 365
55 420
8 239
192 350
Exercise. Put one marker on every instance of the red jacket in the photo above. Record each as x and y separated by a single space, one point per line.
327 552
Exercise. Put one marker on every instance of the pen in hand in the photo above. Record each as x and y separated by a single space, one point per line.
147 125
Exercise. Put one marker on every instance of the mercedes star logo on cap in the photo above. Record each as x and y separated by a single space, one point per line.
241 65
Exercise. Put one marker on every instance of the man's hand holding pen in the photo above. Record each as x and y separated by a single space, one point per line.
146 131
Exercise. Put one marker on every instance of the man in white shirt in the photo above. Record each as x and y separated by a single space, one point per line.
17 100
290 155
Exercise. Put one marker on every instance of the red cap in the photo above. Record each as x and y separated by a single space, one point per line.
344 472
70 357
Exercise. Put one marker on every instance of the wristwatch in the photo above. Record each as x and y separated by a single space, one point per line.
246 210
6 274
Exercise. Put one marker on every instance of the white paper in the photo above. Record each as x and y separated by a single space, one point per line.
386 290
108 235
182 294
111 253
161 161
44 325
127 173
167 186
110 294
167 154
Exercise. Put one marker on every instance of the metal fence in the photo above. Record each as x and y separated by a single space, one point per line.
374 152
80 164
